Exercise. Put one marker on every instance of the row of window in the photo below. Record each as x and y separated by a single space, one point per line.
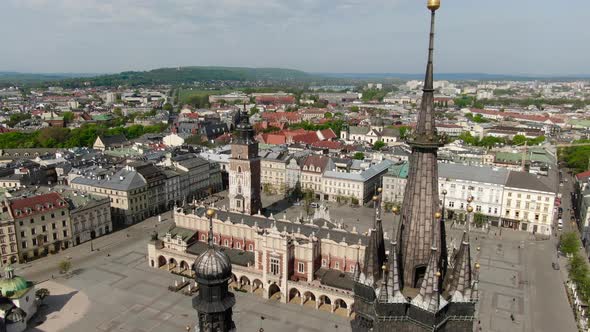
35 241
43 228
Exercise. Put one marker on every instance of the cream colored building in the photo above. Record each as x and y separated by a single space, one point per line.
305 264
353 187
528 204
90 216
8 244
42 225
127 191
273 171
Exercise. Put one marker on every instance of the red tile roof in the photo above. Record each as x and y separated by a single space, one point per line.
37 204
581 176
307 138
328 134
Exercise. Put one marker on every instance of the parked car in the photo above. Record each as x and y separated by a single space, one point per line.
314 205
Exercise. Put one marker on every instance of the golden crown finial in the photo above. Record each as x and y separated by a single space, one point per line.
433 4
210 213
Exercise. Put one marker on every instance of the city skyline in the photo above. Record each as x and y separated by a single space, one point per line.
531 38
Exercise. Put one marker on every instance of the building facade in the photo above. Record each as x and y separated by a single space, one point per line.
43 225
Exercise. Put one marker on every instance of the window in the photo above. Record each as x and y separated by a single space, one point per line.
54 236
63 223
42 218
451 204
516 214
32 220
478 208
33 231
225 243
24 244
337 265
536 217
65 233
53 226
324 263
22 234
203 237
274 265
301 267
34 242
251 247
507 213
239 245
44 228
53 215
20 223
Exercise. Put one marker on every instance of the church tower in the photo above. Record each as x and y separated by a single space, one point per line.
413 289
214 302
244 170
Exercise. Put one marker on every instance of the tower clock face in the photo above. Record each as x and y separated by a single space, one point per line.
240 150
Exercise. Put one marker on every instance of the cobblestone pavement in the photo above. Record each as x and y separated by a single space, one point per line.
126 295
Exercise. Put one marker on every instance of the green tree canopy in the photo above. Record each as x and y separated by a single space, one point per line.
359 156
379 145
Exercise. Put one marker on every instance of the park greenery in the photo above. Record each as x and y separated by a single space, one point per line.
477 118
84 136
502 99
576 157
578 267
374 95
491 141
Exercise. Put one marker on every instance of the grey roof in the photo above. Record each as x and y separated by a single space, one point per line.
524 180
473 173
213 266
190 160
320 228
358 130
362 176
113 140
335 278
121 180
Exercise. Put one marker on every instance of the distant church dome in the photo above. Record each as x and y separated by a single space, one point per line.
213 266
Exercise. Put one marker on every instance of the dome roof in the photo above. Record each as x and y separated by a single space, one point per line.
12 285
213 266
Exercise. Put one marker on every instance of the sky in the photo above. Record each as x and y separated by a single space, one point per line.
540 37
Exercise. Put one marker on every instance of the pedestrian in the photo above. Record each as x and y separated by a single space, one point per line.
512 317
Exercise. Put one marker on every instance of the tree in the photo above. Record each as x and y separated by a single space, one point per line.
41 294
478 219
359 156
569 243
68 117
354 109
17 118
379 145
403 131
328 115
254 110
308 196
64 266
518 139
167 107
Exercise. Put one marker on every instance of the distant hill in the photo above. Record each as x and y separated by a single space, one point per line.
451 76
182 75
7 77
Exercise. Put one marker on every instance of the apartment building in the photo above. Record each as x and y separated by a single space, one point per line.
528 204
273 171
127 190
8 243
353 187
90 216
42 225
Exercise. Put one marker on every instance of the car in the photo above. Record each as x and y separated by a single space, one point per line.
314 205
555 265
560 209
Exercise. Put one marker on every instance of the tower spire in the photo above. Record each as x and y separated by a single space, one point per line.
210 213
418 227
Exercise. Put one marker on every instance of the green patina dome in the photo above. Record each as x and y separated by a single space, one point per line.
11 284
